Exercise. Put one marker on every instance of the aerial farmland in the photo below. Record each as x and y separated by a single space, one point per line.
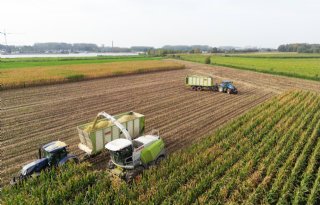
188 121
159 102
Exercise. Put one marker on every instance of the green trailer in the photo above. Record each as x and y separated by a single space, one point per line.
198 83
95 135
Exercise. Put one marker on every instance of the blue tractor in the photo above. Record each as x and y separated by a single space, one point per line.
227 87
51 155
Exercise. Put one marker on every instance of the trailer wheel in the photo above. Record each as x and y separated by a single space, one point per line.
199 88
215 88
194 88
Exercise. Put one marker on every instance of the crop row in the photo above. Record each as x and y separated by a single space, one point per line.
270 155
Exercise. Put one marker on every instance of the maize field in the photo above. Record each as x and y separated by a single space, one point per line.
269 155
43 75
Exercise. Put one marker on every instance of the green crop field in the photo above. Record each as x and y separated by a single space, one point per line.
269 155
306 66
275 55
14 63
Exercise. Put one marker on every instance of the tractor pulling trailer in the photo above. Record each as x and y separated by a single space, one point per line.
199 83
122 135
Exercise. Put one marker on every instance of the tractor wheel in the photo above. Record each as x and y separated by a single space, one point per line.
229 91
73 160
199 88
159 159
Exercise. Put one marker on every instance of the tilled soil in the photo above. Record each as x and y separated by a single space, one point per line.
31 117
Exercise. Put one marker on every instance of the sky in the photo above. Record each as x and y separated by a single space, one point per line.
260 23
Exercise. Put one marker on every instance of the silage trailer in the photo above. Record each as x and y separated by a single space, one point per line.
95 135
199 83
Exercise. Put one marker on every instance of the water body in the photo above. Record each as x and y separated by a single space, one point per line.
66 55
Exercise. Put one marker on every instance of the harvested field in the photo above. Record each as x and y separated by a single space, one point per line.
34 116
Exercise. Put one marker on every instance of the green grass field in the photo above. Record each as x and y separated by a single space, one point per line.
306 66
270 155
7 63
275 55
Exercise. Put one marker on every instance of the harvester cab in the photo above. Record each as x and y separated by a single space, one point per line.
50 155
130 157
227 87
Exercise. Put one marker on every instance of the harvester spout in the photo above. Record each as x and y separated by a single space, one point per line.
115 122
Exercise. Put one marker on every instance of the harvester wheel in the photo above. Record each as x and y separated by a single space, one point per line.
132 174
159 159
129 176
111 165
199 88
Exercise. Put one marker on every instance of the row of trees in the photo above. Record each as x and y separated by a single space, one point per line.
168 49
195 50
300 48
68 48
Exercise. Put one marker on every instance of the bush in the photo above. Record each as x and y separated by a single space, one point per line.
207 60
75 77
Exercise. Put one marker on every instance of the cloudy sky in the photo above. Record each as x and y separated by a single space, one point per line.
156 23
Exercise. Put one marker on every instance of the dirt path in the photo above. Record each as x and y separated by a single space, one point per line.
31 117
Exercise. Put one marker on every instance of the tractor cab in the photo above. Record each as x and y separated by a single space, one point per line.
227 87
52 154
54 151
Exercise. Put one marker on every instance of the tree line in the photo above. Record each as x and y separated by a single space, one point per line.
300 48
56 47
